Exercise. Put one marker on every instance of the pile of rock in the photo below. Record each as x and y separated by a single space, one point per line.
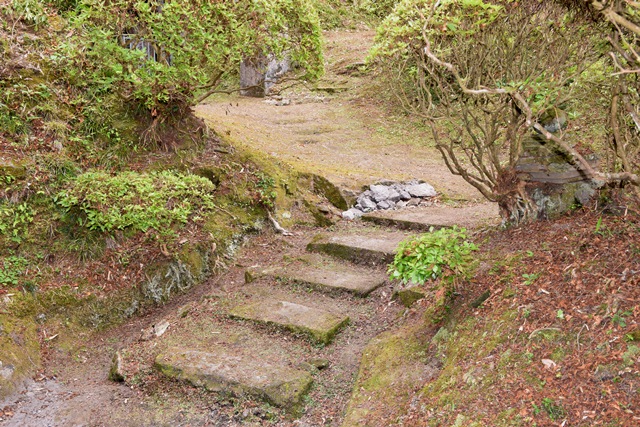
393 195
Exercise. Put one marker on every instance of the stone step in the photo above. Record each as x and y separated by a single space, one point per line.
325 277
320 325
422 219
229 371
360 249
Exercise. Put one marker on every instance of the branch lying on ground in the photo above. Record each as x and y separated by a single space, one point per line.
277 226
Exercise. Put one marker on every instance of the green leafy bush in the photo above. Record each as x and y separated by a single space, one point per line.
15 220
136 201
160 55
443 253
12 268
377 8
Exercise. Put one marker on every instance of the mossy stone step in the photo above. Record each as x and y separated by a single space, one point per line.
328 278
360 249
422 219
320 325
229 371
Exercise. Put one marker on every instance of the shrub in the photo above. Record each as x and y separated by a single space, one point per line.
443 253
135 201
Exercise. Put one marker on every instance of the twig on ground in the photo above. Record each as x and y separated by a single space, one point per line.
277 226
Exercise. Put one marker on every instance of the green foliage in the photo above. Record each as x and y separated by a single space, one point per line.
100 202
30 11
554 410
401 31
442 253
529 279
159 54
15 220
377 8
12 268
266 190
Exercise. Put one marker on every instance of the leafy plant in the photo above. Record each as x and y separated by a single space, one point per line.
15 220
554 410
529 279
442 253
100 202
266 190
620 319
12 268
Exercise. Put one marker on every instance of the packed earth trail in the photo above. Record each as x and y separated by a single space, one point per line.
278 337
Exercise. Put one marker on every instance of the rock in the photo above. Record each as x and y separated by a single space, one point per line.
333 194
379 192
360 249
367 204
10 169
393 195
421 190
116 372
408 296
154 331
352 214
231 371
482 298
330 277
319 364
404 194
385 204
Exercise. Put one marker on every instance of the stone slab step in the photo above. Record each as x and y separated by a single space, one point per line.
318 324
360 249
231 372
327 277
422 219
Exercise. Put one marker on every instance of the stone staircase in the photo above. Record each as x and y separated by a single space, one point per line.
315 290
331 268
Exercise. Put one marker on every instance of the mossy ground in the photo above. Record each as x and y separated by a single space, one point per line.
554 341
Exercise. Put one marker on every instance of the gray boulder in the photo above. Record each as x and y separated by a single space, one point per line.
421 190
352 214
386 204
379 192
366 204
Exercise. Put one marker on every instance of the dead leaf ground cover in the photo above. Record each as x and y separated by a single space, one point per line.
556 342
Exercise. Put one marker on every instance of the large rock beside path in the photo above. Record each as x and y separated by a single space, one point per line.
320 325
237 374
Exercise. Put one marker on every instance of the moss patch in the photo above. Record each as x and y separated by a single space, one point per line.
19 352
392 363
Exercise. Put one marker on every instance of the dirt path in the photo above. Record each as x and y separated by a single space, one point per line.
344 136
349 137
